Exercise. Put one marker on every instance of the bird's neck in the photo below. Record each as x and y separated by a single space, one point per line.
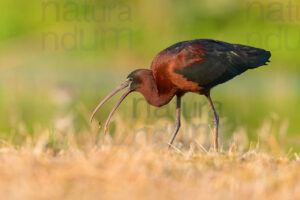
151 92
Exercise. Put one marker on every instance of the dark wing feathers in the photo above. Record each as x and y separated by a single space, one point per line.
221 61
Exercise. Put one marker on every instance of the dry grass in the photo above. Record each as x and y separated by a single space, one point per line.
73 167
129 173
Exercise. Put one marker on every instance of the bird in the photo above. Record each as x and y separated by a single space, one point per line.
195 66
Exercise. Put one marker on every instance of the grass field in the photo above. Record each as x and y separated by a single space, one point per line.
88 165
108 172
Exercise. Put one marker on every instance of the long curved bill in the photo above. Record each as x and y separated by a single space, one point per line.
115 108
122 86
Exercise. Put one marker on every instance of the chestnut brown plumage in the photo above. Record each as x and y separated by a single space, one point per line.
190 66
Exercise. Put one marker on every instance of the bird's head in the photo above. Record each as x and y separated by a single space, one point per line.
133 82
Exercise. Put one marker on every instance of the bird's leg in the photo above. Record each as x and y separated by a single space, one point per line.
177 123
216 122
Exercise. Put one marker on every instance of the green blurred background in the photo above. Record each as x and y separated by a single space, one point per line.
59 58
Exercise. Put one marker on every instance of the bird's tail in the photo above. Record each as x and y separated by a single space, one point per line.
254 57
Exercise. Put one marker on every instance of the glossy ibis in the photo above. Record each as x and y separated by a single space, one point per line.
190 66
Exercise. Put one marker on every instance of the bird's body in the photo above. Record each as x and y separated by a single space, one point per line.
193 66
